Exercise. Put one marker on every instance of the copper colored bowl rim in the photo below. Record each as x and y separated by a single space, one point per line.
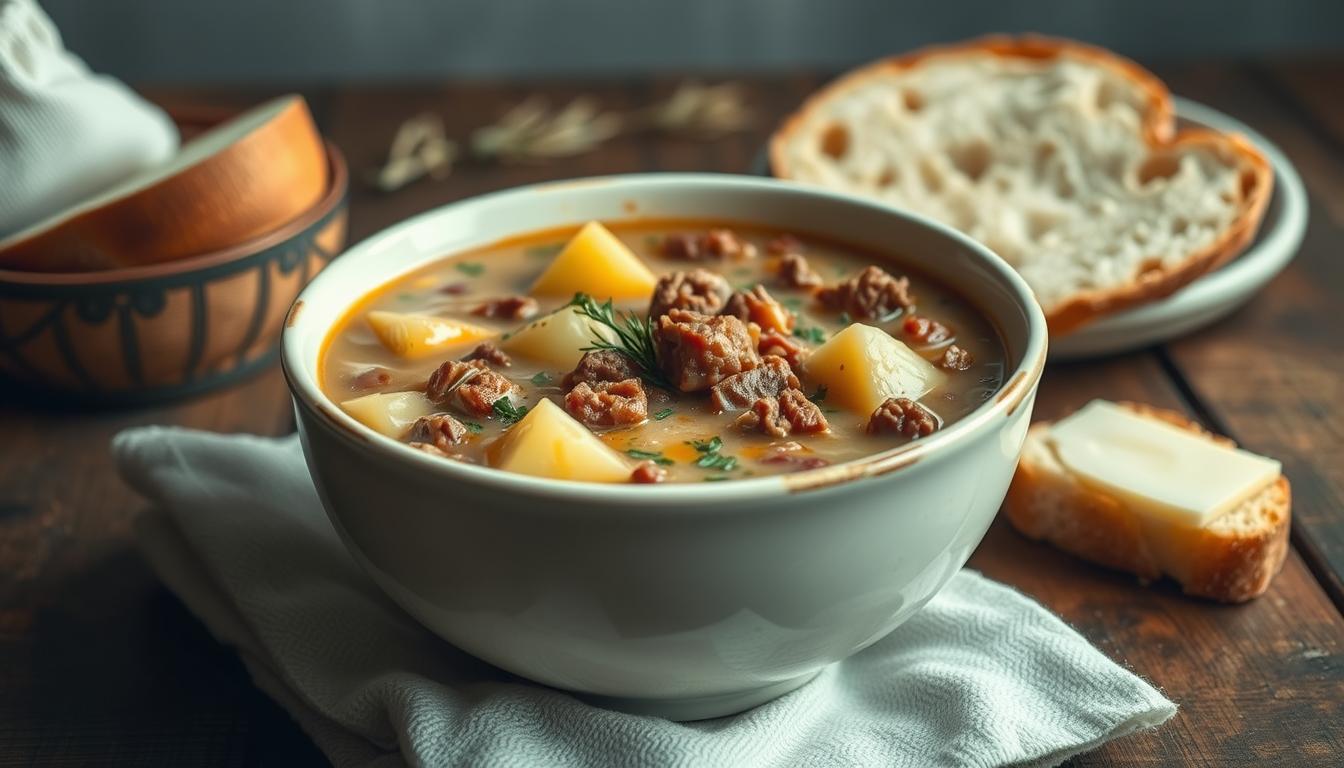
330 200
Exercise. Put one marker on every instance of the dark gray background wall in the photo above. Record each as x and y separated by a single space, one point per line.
326 40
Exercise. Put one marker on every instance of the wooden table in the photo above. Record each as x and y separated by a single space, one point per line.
99 663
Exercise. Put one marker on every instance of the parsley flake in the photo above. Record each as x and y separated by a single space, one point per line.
663 414
473 268
507 412
655 456
813 334
541 379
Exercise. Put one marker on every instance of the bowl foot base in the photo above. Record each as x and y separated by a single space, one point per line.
701 707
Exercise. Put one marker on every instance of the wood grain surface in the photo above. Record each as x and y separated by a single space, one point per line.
99 664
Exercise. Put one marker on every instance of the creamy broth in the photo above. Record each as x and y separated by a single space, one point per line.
683 434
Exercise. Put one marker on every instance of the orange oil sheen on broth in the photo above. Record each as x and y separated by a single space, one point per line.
454 286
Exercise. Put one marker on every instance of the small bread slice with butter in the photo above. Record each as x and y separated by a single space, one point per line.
1148 491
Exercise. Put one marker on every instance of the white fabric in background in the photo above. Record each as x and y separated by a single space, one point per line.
982 676
65 133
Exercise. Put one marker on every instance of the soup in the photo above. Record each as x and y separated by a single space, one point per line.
661 352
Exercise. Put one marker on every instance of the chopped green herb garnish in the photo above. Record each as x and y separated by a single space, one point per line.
663 414
655 456
473 268
716 478
792 302
507 412
634 336
819 395
813 333
845 318
712 445
712 459
542 378
472 426
544 251
717 461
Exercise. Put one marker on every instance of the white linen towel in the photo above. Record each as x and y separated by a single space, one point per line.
65 133
982 676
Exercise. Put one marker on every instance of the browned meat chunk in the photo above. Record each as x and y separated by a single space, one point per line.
440 430
602 365
789 413
955 359
900 415
794 456
871 294
697 351
714 244
784 345
740 390
371 378
924 331
608 403
508 308
470 385
759 307
648 472
490 353
699 290
783 244
795 272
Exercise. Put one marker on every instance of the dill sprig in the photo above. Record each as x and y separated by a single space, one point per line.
634 336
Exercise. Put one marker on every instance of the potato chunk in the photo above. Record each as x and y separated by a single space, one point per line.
862 366
547 442
411 336
391 413
558 338
595 262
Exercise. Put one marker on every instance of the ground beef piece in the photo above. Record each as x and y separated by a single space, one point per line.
508 308
699 290
869 295
740 390
955 359
648 472
470 385
602 365
795 272
783 244
787 414
902 416
784 345
490 353
440 430
922 330
697 351
759 307
371 378
608 403
714 244
794 456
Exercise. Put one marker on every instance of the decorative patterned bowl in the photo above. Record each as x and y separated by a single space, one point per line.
148 334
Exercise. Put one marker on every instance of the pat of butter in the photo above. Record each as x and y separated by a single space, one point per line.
1158 469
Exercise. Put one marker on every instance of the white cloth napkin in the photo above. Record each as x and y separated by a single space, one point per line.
982 676
65 133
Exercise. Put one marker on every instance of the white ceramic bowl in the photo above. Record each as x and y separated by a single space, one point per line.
686 601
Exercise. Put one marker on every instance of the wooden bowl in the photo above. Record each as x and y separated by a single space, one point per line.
150 333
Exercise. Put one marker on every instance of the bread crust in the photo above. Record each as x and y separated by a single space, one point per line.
1159 133
1227 566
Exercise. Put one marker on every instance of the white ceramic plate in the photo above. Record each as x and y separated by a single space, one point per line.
1216 294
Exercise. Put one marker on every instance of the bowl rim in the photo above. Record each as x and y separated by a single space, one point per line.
1019 382
338 181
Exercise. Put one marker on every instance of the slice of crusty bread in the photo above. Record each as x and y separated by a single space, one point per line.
1232 559
1061 157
